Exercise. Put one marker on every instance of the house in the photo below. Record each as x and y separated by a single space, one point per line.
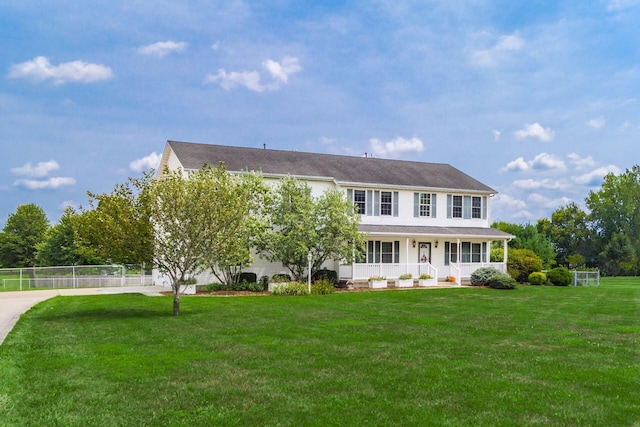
417 217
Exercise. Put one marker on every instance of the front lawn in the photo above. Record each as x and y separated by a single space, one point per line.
535 356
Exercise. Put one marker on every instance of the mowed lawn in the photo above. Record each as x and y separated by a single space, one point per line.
546 356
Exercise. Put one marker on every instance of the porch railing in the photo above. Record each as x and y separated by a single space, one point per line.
392 271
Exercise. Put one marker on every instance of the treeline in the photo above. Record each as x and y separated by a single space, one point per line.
605 235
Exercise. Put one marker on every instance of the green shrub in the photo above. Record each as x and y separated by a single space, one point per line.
256 287
322 287
280 278
405 276
291 288
501 281
537 278
424 276
237 287
481 276
560 276
325 274
523 262
264 280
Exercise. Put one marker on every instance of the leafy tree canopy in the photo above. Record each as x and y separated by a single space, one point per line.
23 231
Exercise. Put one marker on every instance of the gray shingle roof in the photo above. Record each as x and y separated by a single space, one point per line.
343 169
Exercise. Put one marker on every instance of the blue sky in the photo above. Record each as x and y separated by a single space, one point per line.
538 99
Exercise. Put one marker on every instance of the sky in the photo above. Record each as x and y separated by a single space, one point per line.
537 99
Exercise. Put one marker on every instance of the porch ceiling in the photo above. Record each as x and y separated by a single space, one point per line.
453 232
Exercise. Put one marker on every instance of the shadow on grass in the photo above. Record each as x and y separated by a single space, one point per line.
94 309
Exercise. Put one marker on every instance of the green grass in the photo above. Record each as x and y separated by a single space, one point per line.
536 356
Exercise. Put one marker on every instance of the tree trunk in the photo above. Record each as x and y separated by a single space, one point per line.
176 300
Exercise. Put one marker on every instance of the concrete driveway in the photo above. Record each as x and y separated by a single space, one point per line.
13 304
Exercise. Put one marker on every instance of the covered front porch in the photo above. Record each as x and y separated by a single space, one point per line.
446 254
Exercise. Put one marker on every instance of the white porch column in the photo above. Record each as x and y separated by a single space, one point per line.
506 249
406 261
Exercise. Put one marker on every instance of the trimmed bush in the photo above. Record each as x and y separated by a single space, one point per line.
237 287
280 278
291 288
560 276
523 262
537 278
322 287
326 274
501 281
481 276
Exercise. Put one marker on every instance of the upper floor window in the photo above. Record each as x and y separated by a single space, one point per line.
360 200
466 207
386 203
424 205
374 202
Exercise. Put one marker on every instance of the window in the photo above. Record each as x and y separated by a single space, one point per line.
424 205
476 207
386 203
456 207
376 203
467 207
469 252
383 252
360 201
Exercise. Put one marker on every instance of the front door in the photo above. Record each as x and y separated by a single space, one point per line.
424 252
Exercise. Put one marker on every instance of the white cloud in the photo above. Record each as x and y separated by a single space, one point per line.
38 171
596 177
535 131
598 123
496 135
252 80
547 203
505 201
581 162
395 146
542 161
40 69
532 184
281 71
41 184
145 163
545 161
161 49
518 164
499 51
215 46
248 79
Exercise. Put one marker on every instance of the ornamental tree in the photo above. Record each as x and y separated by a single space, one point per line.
240 203
183 214
325 226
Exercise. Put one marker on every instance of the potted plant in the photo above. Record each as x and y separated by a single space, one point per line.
405 281
188 286
278 279
426 280
377 282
